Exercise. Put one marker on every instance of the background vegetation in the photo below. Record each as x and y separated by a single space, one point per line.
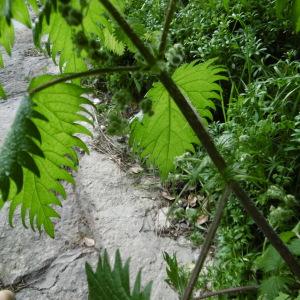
256 125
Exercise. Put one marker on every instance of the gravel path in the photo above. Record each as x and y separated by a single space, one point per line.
104 210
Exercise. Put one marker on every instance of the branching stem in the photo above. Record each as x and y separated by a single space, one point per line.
94 72
195 122
236 290
206 245
168 19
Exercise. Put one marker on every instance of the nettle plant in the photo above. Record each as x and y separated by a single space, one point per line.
39 152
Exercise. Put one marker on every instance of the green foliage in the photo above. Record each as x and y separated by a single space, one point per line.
2 92
61 29
108 283
277 278
10 10
271 287
166 134
39 148
286 8
176 277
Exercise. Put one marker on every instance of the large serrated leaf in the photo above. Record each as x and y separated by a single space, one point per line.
272 286
60 34
113 284
165 135
13 10
39 149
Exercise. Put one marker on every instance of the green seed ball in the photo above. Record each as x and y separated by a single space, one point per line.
81 40
176 60
74 18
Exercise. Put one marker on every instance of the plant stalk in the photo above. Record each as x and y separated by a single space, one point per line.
168 19
206 245
236 290
71 76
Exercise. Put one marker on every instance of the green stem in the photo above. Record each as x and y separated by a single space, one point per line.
206 245
169 16
196 124
94 72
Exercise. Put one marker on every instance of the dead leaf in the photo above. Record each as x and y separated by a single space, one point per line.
167 196
202 219
135 170
192 200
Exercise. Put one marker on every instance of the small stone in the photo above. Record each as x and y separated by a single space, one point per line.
96 101
88 242
7 295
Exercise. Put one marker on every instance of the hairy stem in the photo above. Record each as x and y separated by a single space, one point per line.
94 72
236 290
195 122
168 19
206 245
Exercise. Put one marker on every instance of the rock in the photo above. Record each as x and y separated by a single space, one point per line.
104 210
7 295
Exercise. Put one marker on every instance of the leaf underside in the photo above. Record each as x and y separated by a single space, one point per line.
60 34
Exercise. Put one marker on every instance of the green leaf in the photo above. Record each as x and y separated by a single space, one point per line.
272 286
176 278
283 296
296 15
165 135
280 5
294 247
39 149
108 284
2 92
17 147
60 34
269 261
7 35
19 12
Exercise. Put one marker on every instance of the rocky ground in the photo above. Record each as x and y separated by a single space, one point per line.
104 210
